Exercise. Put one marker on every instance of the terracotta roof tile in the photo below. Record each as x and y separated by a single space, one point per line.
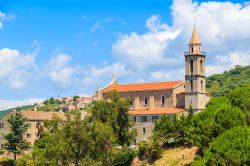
40 115
154 111
144 86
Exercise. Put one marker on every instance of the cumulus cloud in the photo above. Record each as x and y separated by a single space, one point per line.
162 75
141 50
15 67
61 72
97 75
223 29
7 104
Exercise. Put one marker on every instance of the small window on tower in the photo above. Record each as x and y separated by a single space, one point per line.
192 49
201 85
201 66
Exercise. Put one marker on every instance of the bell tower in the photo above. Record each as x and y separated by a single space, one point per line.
195 79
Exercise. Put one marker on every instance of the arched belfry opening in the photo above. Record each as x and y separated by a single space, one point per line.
191 66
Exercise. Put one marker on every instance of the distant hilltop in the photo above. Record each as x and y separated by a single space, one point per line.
58 104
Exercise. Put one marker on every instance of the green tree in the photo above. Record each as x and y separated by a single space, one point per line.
231 148
16 144
74 141
115 112
218 117
164 129
240 97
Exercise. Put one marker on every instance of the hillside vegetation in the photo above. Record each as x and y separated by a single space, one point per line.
221 84
221 132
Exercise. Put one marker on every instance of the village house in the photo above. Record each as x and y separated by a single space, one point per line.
149 101
34 119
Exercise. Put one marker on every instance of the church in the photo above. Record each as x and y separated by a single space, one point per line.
149 101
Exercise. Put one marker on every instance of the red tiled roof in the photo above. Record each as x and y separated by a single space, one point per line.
40 115
154 111
144 86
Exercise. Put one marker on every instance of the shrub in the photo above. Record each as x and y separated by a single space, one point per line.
6 162
142 150
124 157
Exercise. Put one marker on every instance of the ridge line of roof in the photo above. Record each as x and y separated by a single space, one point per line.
151 82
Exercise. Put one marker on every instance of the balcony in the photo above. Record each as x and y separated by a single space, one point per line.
189 53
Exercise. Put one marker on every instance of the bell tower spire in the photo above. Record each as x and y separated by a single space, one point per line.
195 79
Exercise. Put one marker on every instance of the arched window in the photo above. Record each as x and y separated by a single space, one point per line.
191 67
191 85
201 85
146 101
162 100
192 49
201 66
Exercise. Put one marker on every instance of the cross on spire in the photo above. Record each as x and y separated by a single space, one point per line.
114 75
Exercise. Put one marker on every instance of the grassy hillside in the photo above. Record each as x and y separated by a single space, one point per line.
221 84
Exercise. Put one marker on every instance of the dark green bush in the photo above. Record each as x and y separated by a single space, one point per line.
124 157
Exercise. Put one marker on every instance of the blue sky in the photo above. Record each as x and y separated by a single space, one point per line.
51 47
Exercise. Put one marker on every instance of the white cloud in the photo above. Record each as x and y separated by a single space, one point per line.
225 62
15 67
4 17
99 24
223 28
175 74
6 104
145 49
96 75
61 72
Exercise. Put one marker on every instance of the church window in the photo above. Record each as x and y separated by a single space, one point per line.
38 125
191 66
144 119
192 49
28 135
143 130
154 118
201 85
191 85
201 66
146 101
134 119
162 100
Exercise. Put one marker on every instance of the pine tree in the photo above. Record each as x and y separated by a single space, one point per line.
15 141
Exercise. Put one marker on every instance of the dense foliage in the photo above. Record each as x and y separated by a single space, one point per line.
50 105
211 130
232 147
221 84
114 112
89 140
218 117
